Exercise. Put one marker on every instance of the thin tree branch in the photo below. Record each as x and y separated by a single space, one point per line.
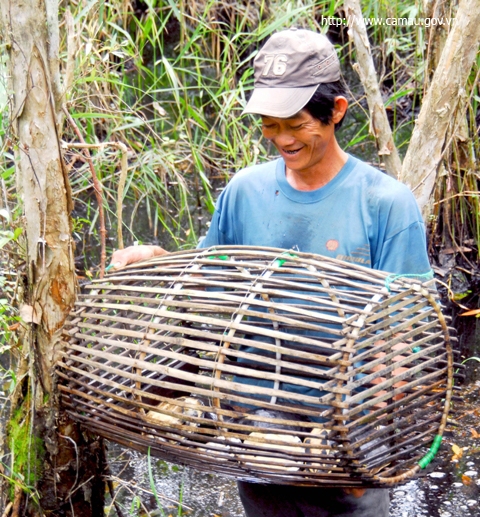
71 52
121 184
70 64
97 187
53 47
379 124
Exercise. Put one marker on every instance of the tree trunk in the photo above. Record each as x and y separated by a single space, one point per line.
436 35
61 458
428 141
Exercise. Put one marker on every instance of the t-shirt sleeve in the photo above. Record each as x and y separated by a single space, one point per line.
219 232
406 252
402 247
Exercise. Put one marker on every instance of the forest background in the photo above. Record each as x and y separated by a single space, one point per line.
151 130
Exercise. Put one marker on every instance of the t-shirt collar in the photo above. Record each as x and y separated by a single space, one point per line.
312 196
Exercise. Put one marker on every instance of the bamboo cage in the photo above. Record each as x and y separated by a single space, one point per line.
263 365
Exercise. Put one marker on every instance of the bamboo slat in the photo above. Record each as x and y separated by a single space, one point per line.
263 364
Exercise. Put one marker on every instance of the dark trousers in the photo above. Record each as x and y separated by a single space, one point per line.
290 501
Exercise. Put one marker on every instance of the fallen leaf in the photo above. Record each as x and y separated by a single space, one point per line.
451 251
472 312
466 480
457 452
460 296
475 434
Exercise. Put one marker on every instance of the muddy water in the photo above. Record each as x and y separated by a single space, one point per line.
440 494
449 488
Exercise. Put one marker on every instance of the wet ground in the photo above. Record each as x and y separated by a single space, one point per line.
449 488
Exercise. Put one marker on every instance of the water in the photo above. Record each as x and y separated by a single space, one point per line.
207 495
196 493
449 488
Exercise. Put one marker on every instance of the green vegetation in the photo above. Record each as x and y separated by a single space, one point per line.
169 80
9 238
153 487
27 451
171 84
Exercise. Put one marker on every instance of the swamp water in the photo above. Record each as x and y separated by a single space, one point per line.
441 494
449 488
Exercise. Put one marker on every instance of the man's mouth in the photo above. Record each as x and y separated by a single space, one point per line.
292 152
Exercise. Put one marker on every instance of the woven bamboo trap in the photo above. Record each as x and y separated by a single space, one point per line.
263 365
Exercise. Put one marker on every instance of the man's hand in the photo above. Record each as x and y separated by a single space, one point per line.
121 258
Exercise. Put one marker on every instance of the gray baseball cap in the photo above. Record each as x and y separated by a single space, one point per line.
288 69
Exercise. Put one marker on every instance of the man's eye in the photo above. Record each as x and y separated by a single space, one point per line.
296 127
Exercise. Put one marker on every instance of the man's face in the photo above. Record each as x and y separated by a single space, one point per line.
302 140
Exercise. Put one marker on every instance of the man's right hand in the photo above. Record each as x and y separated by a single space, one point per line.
121 258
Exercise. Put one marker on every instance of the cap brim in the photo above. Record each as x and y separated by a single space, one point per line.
279 102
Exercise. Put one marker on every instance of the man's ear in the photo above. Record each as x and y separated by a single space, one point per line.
339 109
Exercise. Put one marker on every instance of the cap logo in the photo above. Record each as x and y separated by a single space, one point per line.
275 63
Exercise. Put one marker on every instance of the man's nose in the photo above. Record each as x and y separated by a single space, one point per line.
284 138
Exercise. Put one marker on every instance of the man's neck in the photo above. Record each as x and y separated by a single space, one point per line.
318 176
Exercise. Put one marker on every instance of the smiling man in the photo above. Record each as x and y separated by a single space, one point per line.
318 199
315 198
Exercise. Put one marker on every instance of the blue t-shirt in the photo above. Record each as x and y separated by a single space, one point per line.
361 216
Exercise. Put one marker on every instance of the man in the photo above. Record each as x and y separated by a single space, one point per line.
315 198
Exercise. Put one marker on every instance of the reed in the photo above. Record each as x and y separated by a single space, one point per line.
170 81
